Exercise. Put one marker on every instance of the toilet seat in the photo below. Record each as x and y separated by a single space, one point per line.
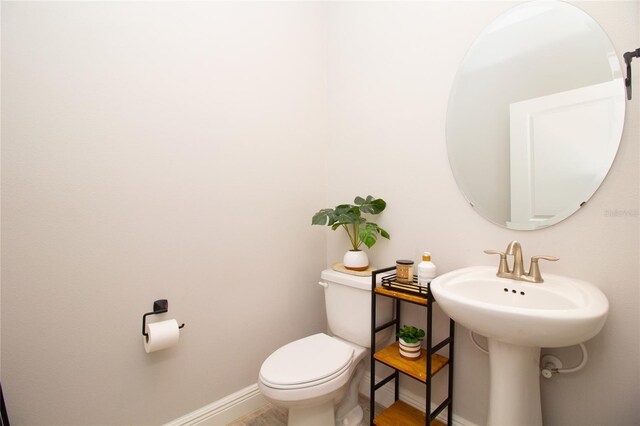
306 362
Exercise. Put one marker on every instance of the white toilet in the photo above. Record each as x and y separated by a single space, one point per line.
317 377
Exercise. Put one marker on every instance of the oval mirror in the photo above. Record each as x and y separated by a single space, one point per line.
535 115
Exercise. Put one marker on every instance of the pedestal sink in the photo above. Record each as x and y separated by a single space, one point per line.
518 318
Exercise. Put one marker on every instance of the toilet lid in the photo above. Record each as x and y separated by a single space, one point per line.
307 360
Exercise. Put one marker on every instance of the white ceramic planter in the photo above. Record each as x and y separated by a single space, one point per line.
410 350
356 260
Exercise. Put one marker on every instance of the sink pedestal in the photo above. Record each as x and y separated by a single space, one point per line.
514 397
560 312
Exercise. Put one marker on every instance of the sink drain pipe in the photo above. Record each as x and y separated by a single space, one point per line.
550 364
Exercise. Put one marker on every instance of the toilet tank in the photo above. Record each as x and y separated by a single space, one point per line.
348 303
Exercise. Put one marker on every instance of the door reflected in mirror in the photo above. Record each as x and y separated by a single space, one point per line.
535 115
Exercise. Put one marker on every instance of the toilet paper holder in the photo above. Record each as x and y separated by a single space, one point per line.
159 307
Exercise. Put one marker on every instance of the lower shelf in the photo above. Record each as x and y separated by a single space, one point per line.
414 368
402 414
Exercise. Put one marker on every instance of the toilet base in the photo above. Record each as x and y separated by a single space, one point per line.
320 415
353 417
349 413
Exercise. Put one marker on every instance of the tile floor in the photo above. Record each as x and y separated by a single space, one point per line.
271 415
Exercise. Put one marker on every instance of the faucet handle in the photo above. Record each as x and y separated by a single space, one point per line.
503 268
501 253
549 258
534 268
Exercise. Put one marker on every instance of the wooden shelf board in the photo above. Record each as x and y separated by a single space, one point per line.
414 368
400 295
402 414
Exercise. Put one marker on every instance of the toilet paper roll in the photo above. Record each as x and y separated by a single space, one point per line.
161 335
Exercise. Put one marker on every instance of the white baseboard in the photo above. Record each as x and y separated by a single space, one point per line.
225 410
385 397
249 399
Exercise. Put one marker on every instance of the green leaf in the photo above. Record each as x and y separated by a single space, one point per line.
371 205
359 201
343 208
367 237
411 334
322 217
368 234
378 205
384 233
349 217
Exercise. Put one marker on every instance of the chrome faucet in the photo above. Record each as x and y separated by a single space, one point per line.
517 273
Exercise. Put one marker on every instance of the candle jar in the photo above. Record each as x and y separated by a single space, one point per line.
404 271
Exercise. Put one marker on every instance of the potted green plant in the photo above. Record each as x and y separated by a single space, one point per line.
410 339
358 228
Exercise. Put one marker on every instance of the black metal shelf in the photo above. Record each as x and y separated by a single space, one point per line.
433 362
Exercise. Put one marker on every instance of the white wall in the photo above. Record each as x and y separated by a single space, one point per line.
156 150
391 66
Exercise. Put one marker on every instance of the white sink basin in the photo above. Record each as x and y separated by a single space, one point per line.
558 312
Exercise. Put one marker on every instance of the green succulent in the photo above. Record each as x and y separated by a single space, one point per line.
349 216
410 334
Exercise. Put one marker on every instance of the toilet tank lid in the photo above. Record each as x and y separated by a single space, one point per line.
306 360
363 283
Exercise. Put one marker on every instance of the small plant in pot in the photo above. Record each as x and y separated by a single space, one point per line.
410 339
358 228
